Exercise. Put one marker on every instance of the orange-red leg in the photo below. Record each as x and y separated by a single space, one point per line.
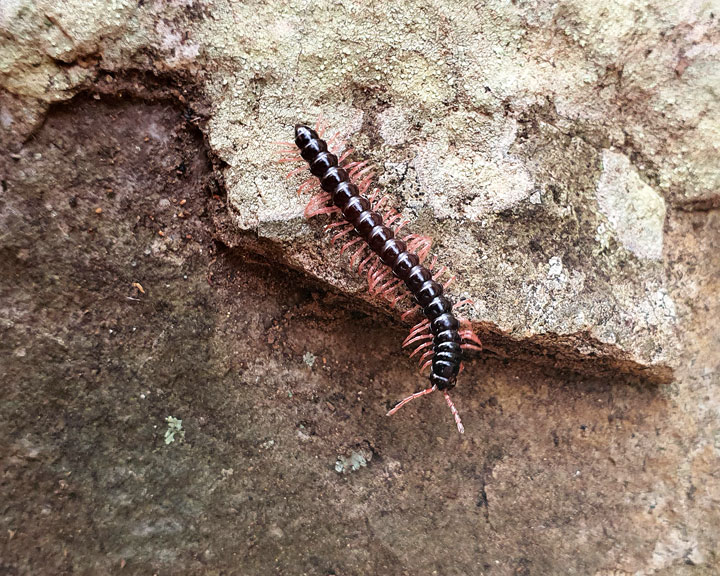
381 279
326 210
350 243
415 309
347 230
467 346
317 205
419 244
308 185
367 260
390 217
295 172
387 289
421 327
402 224
425 392
336 144
379 276
375 269
344 156
366 172
364 184
427 355
377 204
409 398
332 225
355 167
394 301
422 347
417 338
356 255
470 340
454 412
287 157
320 125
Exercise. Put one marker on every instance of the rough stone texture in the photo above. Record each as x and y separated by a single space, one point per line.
564 157
507 131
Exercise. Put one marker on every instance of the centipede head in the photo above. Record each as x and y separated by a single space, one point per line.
303 135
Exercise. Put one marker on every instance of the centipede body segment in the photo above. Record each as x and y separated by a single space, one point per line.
391 262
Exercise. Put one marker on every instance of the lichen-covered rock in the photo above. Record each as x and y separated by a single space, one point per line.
538 143
563 155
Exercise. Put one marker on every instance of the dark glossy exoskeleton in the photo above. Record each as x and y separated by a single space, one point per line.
406 266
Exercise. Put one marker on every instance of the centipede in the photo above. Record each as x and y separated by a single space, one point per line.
395 265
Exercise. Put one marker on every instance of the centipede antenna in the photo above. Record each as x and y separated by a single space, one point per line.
411 397
425 392
455 413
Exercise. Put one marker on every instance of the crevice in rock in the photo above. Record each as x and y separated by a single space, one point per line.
571 353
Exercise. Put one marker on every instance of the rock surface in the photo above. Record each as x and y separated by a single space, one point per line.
563 157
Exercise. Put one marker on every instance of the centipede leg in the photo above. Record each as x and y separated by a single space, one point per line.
419 244
468 346
307 185
320 125
410 398
391 217
356 255
386 291
374 269
470 340
290 158
439 272
421 347
350 243
394 301
347 229
426 356
377 206
401 225
449 281
417 338
336 144
378 276
364 184
367 260
318 205
414 310
344 156
355 167
295 172
454 412
366 172
422 327
327 210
